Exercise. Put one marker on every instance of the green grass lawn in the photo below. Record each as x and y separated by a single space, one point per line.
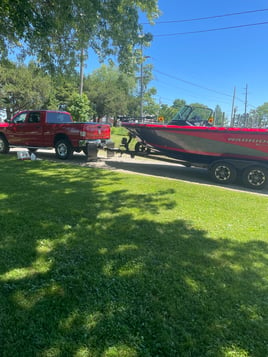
102 264
117 133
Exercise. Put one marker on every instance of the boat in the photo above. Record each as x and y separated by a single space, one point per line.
192 139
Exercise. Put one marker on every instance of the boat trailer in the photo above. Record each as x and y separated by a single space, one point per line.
253 174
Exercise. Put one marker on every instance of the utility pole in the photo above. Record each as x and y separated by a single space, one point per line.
223 118
141 88
246 104
141 78
82 59
144 38
232 114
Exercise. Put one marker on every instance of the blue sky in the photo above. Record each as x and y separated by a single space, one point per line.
205 67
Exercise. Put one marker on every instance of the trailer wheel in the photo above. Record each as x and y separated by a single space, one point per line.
255 177
223 172
4 147
141 148
63 149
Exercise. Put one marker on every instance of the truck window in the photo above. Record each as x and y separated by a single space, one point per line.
58 118
20 118
34 118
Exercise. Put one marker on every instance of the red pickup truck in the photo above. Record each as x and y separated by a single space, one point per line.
35 129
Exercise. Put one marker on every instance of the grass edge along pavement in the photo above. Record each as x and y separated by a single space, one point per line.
100 263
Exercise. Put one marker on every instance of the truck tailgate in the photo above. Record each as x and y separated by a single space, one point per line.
96 131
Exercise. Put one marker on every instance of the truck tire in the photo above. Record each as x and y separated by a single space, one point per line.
223 172
63 149
255 177
4 147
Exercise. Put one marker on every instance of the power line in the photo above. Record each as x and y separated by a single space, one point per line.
201 87
207 17
192 84
211 30
188 92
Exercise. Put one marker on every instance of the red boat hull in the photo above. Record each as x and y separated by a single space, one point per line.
203 144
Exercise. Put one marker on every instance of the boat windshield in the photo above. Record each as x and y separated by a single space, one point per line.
188 115
183 113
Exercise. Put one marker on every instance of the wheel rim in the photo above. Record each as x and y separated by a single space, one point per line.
140 147
256 177
62 149
222 173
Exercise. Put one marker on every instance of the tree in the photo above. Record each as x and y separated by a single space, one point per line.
23 87
150 105
145 94
80 108
178 103
167 112
218 116
57 31
262 114
64 90
199 105
109 90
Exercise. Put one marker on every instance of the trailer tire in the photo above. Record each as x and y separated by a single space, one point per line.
141 148
64 149
4 147
223 172
255 177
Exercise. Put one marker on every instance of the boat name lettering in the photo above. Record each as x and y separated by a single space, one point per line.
247 140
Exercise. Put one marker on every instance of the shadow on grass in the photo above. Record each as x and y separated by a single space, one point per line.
81 277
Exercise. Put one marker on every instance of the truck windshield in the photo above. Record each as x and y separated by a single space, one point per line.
58 118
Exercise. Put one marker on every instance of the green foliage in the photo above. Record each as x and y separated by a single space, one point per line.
167 112
178 103
150 107
109 90
219 117
262 115
199 105
64 91
56 31
263 109
100 263
23 87
80 108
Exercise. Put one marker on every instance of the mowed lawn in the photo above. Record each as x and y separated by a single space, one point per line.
101 264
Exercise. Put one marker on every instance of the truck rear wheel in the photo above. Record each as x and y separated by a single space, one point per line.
63 149
4 147
255 177
223 172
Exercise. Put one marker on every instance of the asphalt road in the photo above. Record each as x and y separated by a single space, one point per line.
144 166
